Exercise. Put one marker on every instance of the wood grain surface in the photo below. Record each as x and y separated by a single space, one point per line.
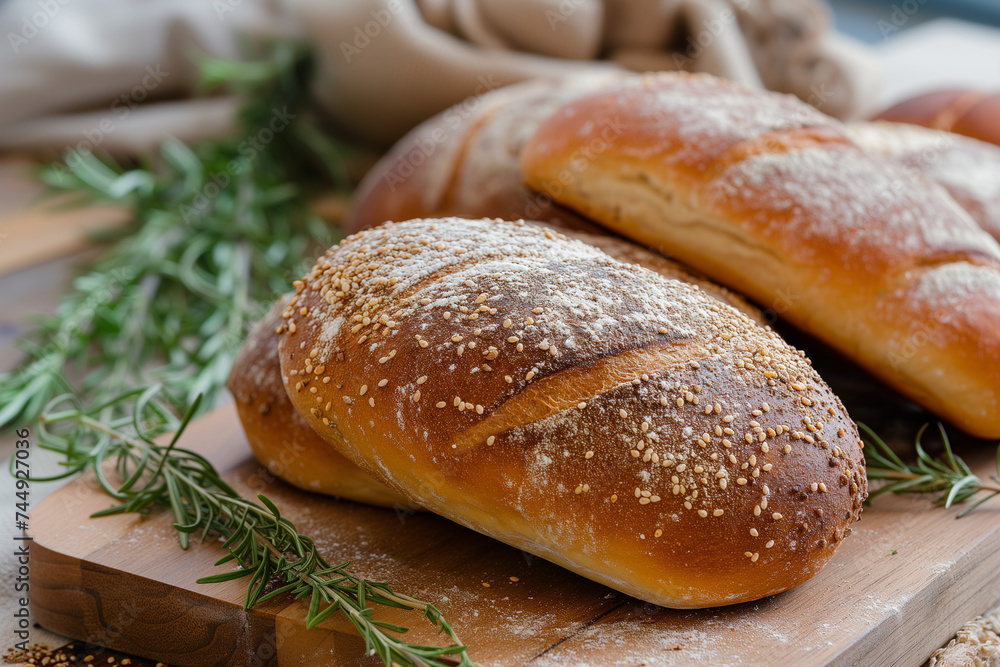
123 582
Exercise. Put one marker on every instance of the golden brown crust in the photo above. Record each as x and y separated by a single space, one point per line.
626 426
967 168
280 439
770 197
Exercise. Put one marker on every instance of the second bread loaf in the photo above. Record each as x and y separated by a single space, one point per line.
626 426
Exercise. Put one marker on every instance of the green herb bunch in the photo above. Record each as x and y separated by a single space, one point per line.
948 476
267 548
216 232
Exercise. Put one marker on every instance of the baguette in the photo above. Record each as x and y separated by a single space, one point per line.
465 161
968 169
626 426
280 439
972 113
765 194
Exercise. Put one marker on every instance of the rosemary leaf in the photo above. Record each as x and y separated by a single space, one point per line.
217 231
948 477
265 546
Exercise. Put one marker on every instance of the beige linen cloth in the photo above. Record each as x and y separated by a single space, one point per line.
117 74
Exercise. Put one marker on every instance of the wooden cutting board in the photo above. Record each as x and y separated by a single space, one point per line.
123 582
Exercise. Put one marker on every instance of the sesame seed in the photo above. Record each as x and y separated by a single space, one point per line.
788 449
680 402
364 388
638 492
822 487
702 513
644 501
657 533
507 324
482 297
579 489
383 382
664 330
422 379
756 510
814 487
682 467
776 516
623 413
728 419
718 512
441 404
423 343
508 379
770 543
741 481
479 408
753 559
416 396
753 532
371 402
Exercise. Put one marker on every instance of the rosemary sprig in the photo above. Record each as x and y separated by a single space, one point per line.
948 476
217 231
265 546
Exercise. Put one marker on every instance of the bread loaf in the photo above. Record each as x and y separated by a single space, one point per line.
770 197
465 162
970 112
626 426
968 169
280 439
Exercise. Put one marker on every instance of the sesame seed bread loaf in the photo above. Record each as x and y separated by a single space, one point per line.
770 197
624 425
280 439
967 168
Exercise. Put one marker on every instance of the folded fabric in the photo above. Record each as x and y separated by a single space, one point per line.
94 73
